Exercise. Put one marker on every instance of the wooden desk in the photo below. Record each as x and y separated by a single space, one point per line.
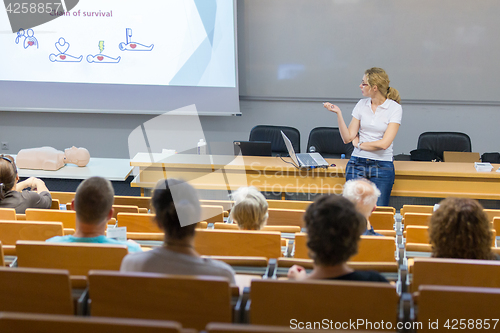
415 179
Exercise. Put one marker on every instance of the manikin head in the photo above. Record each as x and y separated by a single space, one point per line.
79 156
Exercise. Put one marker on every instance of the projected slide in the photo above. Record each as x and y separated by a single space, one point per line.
148 42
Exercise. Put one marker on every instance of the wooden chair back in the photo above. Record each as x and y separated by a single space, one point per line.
336 300
141 202
376 248
35 291
445 303
385 209
492 213
12 231
43 323
238 243
8 214
124 209
278 216
455 272
382 220
63 197
193 301
138 222
370 248
68 217
55 204
416 209
279 228
496 224
77 258
212 214
289 204
2 257
417 234
416 219
245 328
226 204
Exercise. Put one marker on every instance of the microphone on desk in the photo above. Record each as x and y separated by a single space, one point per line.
312 149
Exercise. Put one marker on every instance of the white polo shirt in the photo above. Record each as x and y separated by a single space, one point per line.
374 124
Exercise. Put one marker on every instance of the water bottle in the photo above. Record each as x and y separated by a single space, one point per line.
312 149
342 156
202 147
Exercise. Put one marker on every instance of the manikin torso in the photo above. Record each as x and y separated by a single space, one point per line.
51 159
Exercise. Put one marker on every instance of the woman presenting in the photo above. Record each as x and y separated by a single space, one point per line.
374 125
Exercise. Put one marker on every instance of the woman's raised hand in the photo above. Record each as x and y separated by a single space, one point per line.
331 107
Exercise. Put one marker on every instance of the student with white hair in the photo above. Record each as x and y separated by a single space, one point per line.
250 208
364 195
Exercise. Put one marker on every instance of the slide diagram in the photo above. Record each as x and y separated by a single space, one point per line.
27 41
133 46
102 58
62 46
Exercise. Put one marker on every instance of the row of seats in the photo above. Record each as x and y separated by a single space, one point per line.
326 140
329 143
196 301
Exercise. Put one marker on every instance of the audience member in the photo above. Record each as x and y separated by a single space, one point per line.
13 193
250 209
177 210
364 195
460 228
333 227
93 204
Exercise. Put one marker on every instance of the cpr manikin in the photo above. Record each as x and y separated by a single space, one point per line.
51 159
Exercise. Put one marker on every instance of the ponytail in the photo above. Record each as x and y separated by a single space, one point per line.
393 94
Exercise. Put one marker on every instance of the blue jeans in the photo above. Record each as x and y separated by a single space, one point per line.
379 172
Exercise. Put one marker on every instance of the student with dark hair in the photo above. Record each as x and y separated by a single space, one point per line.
333 227
177 210
11 191
93 204
460 228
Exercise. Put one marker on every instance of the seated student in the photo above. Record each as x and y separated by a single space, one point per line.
460 228
93 204
364 195
177 210
333 232
250 209
12 194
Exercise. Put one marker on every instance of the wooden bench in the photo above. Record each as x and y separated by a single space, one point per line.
35 291
77 258
13 231
276 302
43 323
193 301
238 243
278 216
455 272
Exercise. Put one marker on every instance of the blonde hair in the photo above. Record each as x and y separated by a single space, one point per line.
250 208
378 77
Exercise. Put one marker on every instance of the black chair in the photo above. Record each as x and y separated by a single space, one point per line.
444 141
273 135
329 143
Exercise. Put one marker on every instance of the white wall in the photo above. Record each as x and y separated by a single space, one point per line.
107 135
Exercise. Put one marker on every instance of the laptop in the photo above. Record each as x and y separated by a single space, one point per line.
459 156
252 148
306 160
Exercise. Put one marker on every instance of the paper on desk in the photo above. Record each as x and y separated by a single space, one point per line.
483 167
